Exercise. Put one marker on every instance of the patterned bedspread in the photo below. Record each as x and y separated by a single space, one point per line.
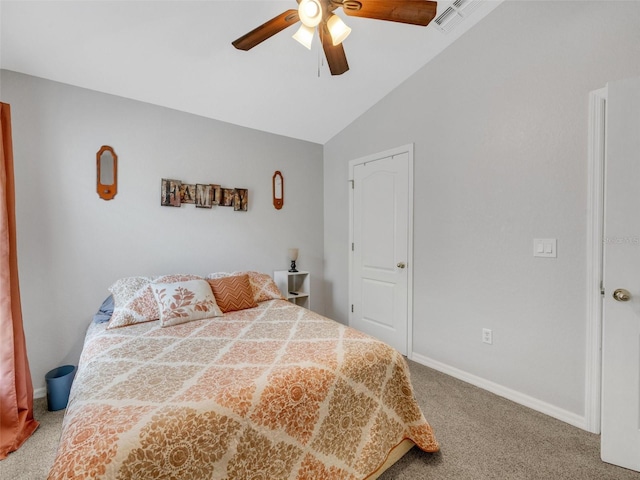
273 392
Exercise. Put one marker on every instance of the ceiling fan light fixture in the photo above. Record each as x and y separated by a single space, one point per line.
304 35
338 29
310 12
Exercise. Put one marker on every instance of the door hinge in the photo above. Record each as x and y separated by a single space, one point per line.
352 308
352 184
353 249
601 287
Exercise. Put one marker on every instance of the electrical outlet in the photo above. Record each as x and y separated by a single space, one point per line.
487 336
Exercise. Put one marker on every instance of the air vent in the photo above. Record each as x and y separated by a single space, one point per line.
448 20
462 4
454 14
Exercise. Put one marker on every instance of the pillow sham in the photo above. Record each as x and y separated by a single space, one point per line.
182 302
233 293
264 288
218 275
134 301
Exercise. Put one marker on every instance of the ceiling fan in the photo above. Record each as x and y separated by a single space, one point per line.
331 29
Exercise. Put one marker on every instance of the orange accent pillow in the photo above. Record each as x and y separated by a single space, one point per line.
233 293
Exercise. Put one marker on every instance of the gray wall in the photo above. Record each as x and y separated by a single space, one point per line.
499 121
72 245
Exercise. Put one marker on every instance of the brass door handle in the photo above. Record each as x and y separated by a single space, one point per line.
401 265
621 295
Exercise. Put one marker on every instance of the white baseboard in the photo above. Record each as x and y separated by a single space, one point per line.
40 392
513 395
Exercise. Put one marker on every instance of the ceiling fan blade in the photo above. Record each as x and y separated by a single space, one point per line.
266 30
336 58
415 12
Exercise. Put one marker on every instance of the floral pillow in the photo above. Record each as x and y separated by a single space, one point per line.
182 302
233 293
134 301
263 286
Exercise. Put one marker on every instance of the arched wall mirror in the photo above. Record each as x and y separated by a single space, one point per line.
107 169
278 190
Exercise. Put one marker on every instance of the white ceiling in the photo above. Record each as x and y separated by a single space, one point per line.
178 54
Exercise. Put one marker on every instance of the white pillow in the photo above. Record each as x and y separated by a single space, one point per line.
134 301
215 275
182 302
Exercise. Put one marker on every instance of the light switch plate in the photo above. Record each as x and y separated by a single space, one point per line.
545 247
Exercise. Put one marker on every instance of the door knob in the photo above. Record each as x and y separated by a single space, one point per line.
401 265
621 295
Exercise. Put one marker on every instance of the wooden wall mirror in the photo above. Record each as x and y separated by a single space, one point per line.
107 169
278 190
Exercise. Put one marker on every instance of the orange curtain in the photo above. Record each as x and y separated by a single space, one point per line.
16 389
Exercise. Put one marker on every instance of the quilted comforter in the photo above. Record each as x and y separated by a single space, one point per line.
272 392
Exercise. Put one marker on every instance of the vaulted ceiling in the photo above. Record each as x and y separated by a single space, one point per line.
178 54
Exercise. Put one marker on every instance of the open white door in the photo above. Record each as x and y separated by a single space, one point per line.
381 237
621 306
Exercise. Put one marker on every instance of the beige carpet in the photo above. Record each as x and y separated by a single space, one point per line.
482 436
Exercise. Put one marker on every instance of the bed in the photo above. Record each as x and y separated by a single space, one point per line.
267 391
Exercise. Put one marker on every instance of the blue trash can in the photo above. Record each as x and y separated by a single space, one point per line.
59 382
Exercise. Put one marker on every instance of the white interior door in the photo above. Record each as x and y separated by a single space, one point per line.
380 275
621 316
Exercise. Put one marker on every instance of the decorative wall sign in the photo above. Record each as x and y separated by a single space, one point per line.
241 200
187 193
170 193
216 190
204 195
173 193
228 196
